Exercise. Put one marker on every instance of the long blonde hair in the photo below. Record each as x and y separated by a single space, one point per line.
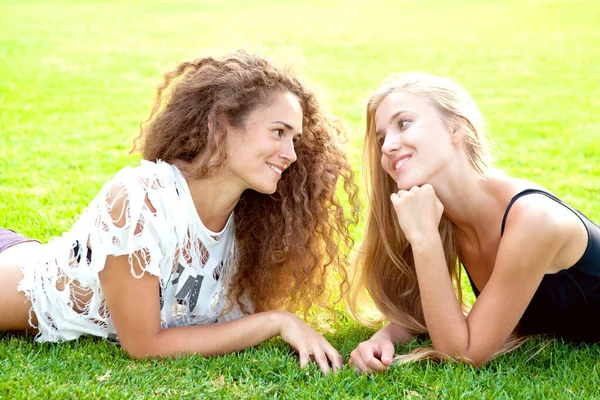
384 265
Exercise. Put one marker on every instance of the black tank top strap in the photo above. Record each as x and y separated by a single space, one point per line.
473 287
525 193
590 261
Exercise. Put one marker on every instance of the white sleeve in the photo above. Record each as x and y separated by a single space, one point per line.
130 220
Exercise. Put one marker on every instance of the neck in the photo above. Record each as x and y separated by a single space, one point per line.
474 202
215 198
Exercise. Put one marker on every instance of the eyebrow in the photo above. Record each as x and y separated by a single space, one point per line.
287 126
393 117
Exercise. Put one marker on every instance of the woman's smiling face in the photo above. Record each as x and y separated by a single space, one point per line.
259 152
415 142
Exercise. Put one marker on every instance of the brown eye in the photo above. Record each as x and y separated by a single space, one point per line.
278 132
403 123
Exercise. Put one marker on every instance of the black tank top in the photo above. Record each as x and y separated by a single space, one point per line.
566 303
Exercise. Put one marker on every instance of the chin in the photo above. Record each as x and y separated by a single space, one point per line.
403 185
407 184
265 189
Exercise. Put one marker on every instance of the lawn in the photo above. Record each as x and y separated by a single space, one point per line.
76 78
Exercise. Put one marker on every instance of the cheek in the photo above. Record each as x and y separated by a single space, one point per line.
383 162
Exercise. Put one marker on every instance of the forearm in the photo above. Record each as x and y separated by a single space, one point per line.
209 340
445 320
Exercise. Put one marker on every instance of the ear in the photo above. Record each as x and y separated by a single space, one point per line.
458 131
218 126
215 122
458 135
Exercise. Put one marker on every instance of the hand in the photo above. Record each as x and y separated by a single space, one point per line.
373 355
309 344
419 212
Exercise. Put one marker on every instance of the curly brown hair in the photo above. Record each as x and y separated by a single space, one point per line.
288 243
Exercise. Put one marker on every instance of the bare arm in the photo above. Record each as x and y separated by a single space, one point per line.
135 309
134 303
517 273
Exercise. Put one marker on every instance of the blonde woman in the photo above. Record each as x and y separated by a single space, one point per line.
436 202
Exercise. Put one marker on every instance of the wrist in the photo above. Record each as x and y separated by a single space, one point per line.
424 243
382 336
393 333
278 319
384 333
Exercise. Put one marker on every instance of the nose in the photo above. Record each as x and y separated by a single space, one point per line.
391 143
287 151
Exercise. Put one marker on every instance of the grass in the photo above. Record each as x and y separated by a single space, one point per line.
78 76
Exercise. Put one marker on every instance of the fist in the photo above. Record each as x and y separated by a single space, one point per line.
418 210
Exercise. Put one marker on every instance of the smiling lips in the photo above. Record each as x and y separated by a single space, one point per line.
399 162
277 168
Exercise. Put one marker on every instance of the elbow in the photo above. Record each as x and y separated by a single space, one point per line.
474 359
138 352
138 355
477 356
476 362
141 349
464 356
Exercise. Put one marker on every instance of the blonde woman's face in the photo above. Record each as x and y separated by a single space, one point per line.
415 143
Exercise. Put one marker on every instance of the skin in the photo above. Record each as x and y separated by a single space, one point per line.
267 140
14 312
438 179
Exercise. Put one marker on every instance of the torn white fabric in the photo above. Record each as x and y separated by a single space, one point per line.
146 213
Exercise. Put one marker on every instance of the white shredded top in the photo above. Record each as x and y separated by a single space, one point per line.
159 229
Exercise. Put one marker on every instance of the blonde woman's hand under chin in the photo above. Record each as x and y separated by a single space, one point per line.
419 212
308 343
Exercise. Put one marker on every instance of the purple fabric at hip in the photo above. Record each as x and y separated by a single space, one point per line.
9 238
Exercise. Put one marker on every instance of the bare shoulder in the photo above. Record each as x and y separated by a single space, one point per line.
537 221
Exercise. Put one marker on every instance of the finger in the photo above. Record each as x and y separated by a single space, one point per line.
374 364
370 356
321 360
304 355
337 362
387 353
359 365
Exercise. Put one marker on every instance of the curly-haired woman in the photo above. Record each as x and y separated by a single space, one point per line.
231 218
